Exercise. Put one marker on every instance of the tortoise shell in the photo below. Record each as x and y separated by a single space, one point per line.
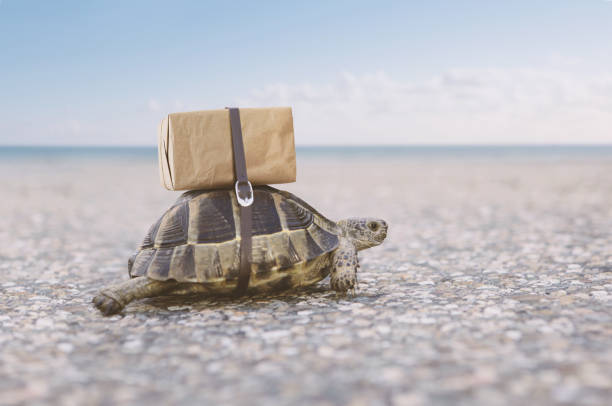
198 238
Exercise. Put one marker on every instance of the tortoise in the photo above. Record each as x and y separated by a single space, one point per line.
194 248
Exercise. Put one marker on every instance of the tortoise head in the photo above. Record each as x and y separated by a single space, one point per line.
364 232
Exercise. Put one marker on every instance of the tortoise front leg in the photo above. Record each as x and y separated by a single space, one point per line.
113 299
343 275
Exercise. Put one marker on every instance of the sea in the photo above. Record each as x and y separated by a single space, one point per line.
398 152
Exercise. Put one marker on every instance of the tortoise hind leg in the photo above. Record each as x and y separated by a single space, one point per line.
113 299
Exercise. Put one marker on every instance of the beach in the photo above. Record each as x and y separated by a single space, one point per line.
494 287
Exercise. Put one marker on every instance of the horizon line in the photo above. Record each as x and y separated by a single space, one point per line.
503 145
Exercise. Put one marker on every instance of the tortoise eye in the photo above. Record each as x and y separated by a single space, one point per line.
373 226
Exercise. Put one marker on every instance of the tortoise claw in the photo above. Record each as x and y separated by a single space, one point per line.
107 305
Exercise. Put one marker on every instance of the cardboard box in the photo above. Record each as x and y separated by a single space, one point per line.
195 148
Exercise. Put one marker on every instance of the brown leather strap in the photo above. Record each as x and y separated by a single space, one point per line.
244 196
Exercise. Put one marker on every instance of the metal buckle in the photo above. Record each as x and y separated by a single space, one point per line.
244 202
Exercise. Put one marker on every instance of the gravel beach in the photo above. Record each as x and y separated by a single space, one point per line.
494 287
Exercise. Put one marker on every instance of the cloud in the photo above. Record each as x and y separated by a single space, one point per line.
73 127
153 105
492 106
461 106
178 105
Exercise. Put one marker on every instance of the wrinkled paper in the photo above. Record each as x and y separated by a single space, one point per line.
195 148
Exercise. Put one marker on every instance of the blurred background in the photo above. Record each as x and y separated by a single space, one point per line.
355 72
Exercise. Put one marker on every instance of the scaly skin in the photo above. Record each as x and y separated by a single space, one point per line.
113 299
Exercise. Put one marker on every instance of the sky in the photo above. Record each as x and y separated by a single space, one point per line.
355 72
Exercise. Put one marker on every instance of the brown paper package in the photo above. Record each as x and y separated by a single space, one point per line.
195 148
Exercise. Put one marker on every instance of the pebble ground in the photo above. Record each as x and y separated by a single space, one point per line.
494 287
